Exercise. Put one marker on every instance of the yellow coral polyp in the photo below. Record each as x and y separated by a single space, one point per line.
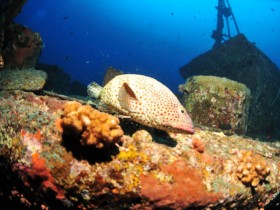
130 162
89 125
132 154
252 168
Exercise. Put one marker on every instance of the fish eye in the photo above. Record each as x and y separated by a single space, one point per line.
182 111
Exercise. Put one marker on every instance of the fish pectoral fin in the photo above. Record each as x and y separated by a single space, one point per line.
129 91
127 98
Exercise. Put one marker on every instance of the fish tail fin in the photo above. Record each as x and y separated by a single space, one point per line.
94 90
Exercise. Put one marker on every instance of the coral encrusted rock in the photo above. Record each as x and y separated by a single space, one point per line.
8 10
24 79
218 103
23 47
240 60
206 170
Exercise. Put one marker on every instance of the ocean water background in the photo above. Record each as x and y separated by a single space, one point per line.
150 37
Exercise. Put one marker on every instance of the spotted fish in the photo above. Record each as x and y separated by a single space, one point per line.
145 100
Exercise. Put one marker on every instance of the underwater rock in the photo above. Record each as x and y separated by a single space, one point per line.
61 82
8 10
204 170
25 79
240 60
218 103
23 47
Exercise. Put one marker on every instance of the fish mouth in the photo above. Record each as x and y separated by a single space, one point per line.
190 130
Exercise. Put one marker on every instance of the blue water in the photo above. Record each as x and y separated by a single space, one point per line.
150 37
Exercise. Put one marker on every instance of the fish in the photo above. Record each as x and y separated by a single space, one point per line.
145 100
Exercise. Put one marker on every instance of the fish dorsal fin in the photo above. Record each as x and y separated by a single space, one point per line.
110 74
127 98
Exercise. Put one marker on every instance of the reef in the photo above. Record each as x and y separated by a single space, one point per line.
47 162
24 79
22 47
218 103
61 82
240 60
61 154
8 9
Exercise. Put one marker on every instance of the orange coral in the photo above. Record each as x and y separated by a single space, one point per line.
39 170
252 168
90 126
198 144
